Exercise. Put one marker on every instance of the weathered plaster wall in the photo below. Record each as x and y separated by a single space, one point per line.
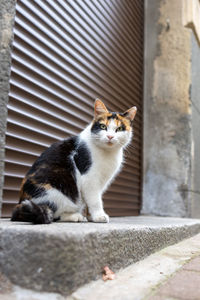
7 13
167 111
195 98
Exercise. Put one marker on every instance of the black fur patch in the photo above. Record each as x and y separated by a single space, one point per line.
113 116
96 127
123 126
49 204
56 168
59 170
31 212
33 190
83 158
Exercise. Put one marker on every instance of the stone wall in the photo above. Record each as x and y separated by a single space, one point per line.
195 99
168 119
7 13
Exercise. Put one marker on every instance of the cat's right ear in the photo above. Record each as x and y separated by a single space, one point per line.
130 113
99 108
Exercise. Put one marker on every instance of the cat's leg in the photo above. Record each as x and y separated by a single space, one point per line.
64 208
99 218
95 205
72 217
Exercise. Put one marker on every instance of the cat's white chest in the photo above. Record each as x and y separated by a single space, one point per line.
105 165
108 167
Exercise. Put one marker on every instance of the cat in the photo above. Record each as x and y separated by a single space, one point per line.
74 173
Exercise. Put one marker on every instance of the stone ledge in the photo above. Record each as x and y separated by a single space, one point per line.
191 11
63 256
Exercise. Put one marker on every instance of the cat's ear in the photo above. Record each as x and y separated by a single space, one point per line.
99 108
130 113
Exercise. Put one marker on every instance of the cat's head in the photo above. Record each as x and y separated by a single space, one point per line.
110 129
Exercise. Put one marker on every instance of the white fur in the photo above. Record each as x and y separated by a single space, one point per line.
61 201
75 217
106 163
107 157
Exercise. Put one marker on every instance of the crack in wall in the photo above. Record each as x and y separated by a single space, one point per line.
188 190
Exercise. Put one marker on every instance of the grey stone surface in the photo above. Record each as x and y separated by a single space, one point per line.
195 98
167 127
142 280
137 281
7 14
63 256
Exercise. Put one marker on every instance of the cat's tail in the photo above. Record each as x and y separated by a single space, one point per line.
28 211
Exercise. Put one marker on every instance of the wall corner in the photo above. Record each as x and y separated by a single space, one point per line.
7 15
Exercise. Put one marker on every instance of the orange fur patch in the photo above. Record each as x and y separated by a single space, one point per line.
119 120
47 186
125 121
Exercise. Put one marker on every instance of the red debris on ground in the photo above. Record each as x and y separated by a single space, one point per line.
108 274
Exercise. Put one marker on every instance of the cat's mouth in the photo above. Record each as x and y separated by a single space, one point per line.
110 143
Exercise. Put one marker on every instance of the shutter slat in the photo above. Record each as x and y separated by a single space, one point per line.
65 76
44 120
19 158
46 100
24 145
93 76
37 82
132 34
46 83
120 205
27 105
122 212
117 35
90 62
96 23
97 20
12 183
66 54
18 132
134 9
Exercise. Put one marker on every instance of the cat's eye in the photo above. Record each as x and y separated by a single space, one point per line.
121 128
103 126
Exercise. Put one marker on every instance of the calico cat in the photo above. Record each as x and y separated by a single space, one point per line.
74 173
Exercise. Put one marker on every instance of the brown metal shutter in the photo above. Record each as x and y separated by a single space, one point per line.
66 54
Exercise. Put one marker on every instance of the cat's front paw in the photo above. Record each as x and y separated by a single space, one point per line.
73 217
99 218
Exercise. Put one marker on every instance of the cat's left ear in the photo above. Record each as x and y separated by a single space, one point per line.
130 113
99 108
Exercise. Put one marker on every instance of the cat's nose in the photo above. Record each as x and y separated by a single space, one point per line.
110 137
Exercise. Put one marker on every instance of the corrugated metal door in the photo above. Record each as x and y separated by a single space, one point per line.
66 54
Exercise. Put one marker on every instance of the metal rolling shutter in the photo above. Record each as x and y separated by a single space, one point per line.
66 54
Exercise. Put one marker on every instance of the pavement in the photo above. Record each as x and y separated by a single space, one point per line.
136 249
184 284
170 274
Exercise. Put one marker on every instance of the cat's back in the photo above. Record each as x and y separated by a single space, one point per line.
57 154
62 157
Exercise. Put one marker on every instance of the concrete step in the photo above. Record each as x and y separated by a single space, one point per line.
171 273
63 256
